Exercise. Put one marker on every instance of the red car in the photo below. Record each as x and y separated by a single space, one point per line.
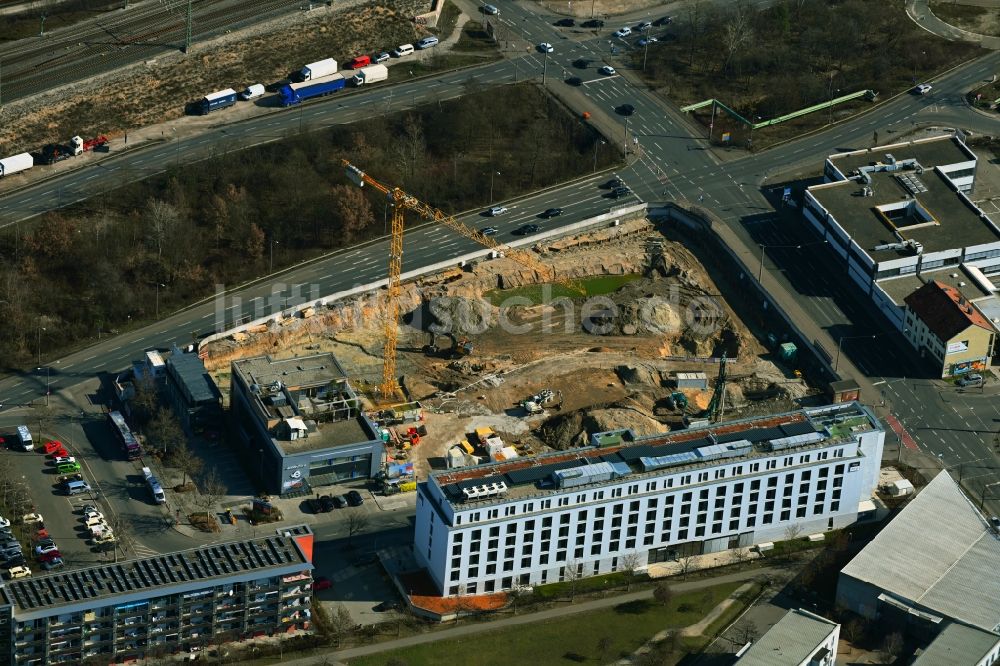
322 583
48 557
53 446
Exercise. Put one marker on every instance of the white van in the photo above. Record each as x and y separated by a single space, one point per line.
77 487
427 42
252 92
403 50
24 438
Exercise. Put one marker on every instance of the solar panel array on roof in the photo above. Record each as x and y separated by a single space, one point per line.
797 428
204 563
520 477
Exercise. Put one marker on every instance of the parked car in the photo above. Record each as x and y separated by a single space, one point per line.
106 537
381 57
89 508
552 212
53 446
44 548
340 501
643 41
386 606
970 380
496 210
315 506
93 516
15 561
63 460
995 522
30 518
608 70
663 20
68 468
623 32
328 503
566 23
643 26
49 556
4 522
354 498
322 583
18 572
54 563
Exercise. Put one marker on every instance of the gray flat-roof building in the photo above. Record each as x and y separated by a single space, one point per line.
900 211
304 421
799 638
160 605
193 393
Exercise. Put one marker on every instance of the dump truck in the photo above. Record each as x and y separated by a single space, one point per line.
294 93
14 163
316 70
371 74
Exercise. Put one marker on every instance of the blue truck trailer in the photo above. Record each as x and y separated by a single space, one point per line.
298 92
217 100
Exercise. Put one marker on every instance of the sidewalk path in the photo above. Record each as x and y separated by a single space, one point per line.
526 618
921 14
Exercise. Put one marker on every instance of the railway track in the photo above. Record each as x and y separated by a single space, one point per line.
113 41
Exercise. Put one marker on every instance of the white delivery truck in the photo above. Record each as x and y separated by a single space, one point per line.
318 69
15 163
371 74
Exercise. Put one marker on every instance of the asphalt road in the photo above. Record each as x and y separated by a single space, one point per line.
671 164
144 31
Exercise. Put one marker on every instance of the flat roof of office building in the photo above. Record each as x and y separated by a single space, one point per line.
173 573
330 434
899 288
935 151
958 645
190 370
720 443
294 372
958 224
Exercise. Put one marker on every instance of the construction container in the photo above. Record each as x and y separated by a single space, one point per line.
692 380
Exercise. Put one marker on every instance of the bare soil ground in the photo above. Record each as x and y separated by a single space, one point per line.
157 91
615 377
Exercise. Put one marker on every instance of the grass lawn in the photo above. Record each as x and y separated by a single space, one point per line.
576 638
537 293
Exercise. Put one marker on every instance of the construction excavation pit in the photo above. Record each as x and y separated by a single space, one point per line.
633 333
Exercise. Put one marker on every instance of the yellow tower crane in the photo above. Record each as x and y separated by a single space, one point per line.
401 202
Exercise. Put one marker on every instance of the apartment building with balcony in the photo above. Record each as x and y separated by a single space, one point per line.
727 485
162 605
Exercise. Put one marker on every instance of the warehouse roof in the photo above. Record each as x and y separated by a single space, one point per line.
958 645
189 371
936 151
794 639
934 554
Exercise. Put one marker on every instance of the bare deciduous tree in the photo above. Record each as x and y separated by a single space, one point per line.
212 489
892 647
745 631
356 523
686 565
184 459
739 555
164 433
793 531
572 576
342 625
663 593
628 564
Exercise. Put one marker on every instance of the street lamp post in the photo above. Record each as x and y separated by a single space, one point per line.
982 497
270 265
596 144
158 285
841 339
626 138
493 174
545 65
47 391
39 341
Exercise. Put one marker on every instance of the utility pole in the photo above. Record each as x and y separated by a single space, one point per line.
187 32
626 138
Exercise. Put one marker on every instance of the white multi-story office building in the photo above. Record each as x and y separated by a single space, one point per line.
522 522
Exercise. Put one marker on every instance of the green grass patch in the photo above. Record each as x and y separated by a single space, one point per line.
794 546
543 293
587 585
595 636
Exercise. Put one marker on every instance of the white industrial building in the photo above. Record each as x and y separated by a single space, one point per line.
522 522
900 216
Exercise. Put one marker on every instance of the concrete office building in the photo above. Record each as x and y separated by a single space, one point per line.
167 604
302 420
196 399
734 484
900 216
800 638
